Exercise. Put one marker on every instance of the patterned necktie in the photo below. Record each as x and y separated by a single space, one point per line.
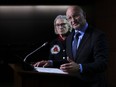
75 42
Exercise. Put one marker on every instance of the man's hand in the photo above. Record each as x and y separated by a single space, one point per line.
70 67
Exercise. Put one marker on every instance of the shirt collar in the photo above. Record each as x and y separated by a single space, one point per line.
60 39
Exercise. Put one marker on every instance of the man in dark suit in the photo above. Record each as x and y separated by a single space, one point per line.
89 60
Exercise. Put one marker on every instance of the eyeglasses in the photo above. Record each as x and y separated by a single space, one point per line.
62 24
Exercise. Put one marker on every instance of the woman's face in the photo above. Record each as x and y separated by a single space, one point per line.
61 26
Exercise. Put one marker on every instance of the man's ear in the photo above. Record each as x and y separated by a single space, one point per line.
84 15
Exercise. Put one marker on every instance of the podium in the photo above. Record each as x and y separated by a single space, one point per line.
28 78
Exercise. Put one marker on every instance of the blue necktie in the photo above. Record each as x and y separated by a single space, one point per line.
75 42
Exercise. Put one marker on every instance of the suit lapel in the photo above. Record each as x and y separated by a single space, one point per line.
83 42
69 45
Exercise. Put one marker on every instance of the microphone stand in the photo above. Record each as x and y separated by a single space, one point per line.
34 51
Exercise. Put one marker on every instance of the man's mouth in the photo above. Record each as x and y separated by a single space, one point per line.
75 24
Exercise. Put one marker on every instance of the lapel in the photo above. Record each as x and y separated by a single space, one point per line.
83 42
69 45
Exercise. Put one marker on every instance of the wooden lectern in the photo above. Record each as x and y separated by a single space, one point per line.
28 78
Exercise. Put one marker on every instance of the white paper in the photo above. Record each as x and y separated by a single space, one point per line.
49 70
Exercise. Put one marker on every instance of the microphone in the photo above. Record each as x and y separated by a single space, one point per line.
44 44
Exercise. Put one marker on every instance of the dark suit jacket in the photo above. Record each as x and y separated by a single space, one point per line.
92 54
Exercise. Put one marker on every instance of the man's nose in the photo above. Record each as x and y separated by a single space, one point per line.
72 19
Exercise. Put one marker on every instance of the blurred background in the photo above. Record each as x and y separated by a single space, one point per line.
24 26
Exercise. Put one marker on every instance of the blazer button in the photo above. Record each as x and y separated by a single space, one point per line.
63 57
63 50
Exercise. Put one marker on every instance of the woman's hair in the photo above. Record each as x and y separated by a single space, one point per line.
64 18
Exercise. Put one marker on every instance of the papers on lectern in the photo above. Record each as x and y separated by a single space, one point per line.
50 70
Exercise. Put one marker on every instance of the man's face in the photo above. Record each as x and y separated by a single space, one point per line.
76 18
61 26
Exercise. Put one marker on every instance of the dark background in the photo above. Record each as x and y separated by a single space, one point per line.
22 29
